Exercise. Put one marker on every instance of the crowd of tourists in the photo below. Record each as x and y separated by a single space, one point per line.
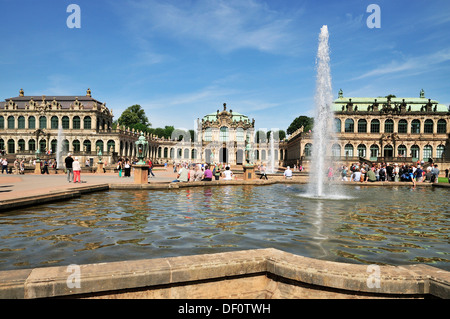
391 172
187 172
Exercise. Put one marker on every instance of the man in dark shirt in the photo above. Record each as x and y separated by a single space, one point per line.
68 161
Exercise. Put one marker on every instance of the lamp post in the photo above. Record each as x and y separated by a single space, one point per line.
140 168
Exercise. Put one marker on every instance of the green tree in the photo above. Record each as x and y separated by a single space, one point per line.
305 121
134 117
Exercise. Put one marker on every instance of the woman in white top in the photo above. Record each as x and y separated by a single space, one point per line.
76 170
228 175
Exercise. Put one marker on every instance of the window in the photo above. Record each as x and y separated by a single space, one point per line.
76 123
111 146
208 135
11 122
240 135
337 125
389 126
374 152
362 126
21 122
32 145
99 146
308 149
402 127
402 151
31 122
388 151
428 127
361 150
375 126
427 152
441 127
336 150
21 144
65 122
87 146
11 146
2 122
42 146
87 123
54 122
415 152
349 126
415 127
348 149
76 146
440 151
42 122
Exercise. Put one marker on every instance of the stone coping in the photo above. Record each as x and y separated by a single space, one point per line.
115 277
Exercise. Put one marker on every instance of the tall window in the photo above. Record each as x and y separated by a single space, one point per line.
336 150
76 145
208 135
87 146
76 123
402 127
348 149
349 126
402 151
427 152
11 122
87 123
65 122
415 127
375 126
21 122
2 122
32 122
440 151
42 122
374 152
361 150
389 126
240 135
415 152
54 122
32 145
337 125
308 149
442 127
362 126
428 127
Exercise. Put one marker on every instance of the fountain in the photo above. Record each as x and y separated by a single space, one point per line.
323 132
59 148
271 166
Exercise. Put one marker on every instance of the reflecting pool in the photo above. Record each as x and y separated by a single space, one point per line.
382 225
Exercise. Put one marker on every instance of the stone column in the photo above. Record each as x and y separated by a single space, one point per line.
140 174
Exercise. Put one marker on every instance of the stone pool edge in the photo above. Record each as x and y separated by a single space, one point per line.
257 273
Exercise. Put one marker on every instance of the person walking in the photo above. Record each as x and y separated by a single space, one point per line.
150 168
127 168
76 171
68 161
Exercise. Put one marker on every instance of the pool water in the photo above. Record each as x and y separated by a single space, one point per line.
370 225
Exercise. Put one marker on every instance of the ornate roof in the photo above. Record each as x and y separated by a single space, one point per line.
226 118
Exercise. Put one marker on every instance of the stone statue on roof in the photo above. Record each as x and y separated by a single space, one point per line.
422 94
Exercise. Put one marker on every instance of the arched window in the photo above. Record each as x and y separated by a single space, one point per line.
2 123
375 126
415 127
54 146
42 146
389 126
21 122
31 122
428 126
440 150
99 146
32 145
11 122
76 146
54 122
362 150
224 134
87 146
402 127
427 152
415 152
348 149
186 153
11 146
65 122
76 123
336 150
337 125
349 126
442 126
388 151
193 154
362 126
401 151
111 146
374 152
87 122
21 144
208 135
42 122
308 149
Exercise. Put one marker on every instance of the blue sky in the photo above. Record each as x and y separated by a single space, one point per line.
181 60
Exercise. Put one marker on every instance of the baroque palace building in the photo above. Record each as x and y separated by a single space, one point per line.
84 127
383 129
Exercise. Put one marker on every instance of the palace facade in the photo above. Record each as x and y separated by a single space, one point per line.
383 129
83 126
